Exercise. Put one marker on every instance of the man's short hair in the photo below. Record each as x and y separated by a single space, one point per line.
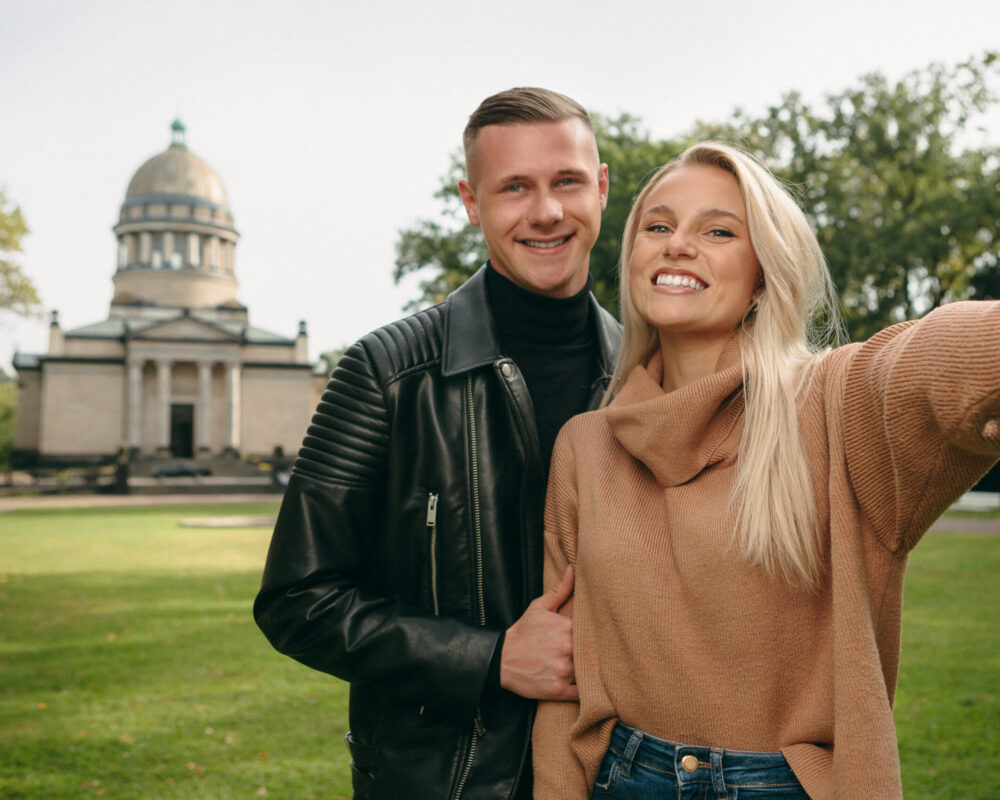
519 106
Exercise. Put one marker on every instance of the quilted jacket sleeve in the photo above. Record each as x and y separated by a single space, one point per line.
318 602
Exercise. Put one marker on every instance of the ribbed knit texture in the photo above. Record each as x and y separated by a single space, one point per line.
552 341
677 635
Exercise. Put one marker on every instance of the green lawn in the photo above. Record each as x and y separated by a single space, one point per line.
130 666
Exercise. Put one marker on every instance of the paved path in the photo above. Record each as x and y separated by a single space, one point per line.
91 500
967 525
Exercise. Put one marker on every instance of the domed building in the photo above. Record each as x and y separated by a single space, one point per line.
176 370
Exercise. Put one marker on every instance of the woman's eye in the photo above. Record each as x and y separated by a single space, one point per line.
658 227
721 233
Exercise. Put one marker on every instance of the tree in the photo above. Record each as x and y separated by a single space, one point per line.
904 208
17 292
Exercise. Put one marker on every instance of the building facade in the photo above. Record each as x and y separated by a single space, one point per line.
176 369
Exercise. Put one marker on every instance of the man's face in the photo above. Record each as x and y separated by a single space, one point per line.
537 191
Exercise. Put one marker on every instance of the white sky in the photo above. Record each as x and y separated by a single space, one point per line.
331 122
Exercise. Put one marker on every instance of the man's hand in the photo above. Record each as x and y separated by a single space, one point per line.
537 656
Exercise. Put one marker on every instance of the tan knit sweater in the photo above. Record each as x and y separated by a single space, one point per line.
675 634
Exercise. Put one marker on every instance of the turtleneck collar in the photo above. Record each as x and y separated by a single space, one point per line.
678 434
534 317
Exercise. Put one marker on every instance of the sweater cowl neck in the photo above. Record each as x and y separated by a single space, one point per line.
678 434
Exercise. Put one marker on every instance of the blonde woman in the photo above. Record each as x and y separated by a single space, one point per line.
739 515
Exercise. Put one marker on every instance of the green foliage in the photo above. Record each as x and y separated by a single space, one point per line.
451 249
17 292
130 665
905 214
903 207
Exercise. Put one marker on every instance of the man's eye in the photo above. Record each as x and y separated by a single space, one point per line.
515 188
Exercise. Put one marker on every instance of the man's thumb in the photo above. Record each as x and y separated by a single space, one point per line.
554 598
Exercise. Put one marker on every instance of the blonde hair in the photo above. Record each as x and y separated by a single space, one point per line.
793 316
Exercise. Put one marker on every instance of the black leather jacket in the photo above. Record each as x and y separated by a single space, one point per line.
409 537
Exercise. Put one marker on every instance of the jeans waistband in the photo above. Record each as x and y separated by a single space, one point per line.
691 763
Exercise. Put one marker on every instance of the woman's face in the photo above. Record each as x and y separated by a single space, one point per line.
693 270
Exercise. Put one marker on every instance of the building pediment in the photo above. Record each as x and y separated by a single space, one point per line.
186 329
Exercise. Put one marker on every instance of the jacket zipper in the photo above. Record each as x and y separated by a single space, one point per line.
432 509
477 528
477 724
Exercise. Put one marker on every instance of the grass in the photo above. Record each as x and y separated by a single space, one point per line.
130 666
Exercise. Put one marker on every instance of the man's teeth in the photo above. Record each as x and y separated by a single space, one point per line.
680 280
535 243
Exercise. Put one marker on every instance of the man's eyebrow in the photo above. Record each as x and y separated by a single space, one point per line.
560 173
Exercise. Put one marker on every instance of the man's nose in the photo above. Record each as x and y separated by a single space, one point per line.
546 210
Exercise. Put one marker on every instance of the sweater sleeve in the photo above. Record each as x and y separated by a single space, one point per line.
922 417
558 773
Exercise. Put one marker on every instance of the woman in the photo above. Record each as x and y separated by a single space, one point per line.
740 514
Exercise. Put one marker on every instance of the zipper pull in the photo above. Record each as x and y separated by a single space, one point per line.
477 724
432 510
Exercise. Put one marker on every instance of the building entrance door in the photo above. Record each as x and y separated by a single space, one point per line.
182 430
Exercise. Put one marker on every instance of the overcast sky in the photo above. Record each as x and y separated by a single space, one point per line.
331 123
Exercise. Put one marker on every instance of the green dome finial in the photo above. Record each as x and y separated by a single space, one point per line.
179 130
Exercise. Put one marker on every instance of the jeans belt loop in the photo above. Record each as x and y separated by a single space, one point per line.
718 776
630 750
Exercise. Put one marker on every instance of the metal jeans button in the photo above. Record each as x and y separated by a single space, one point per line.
689 763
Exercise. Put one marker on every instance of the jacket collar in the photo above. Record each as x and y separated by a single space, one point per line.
470 332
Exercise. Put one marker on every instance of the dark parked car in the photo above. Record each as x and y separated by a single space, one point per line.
181 470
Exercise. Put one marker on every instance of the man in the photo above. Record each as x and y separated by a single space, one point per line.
409 543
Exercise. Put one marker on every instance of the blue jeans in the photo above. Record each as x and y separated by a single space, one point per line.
638 766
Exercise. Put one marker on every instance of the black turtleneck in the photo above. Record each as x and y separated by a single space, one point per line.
552 341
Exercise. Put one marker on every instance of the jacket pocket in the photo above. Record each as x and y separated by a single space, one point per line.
363 762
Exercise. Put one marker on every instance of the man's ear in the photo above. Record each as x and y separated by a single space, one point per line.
602 184
469 201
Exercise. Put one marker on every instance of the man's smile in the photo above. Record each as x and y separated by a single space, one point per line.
546 244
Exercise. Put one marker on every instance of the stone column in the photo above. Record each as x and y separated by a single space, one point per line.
233 395
203 425
145 248
134 406
214 260
193 250
163 407
168 249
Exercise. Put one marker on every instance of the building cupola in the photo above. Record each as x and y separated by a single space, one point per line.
176 237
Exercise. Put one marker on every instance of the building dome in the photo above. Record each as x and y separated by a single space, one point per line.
177 172
175 233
